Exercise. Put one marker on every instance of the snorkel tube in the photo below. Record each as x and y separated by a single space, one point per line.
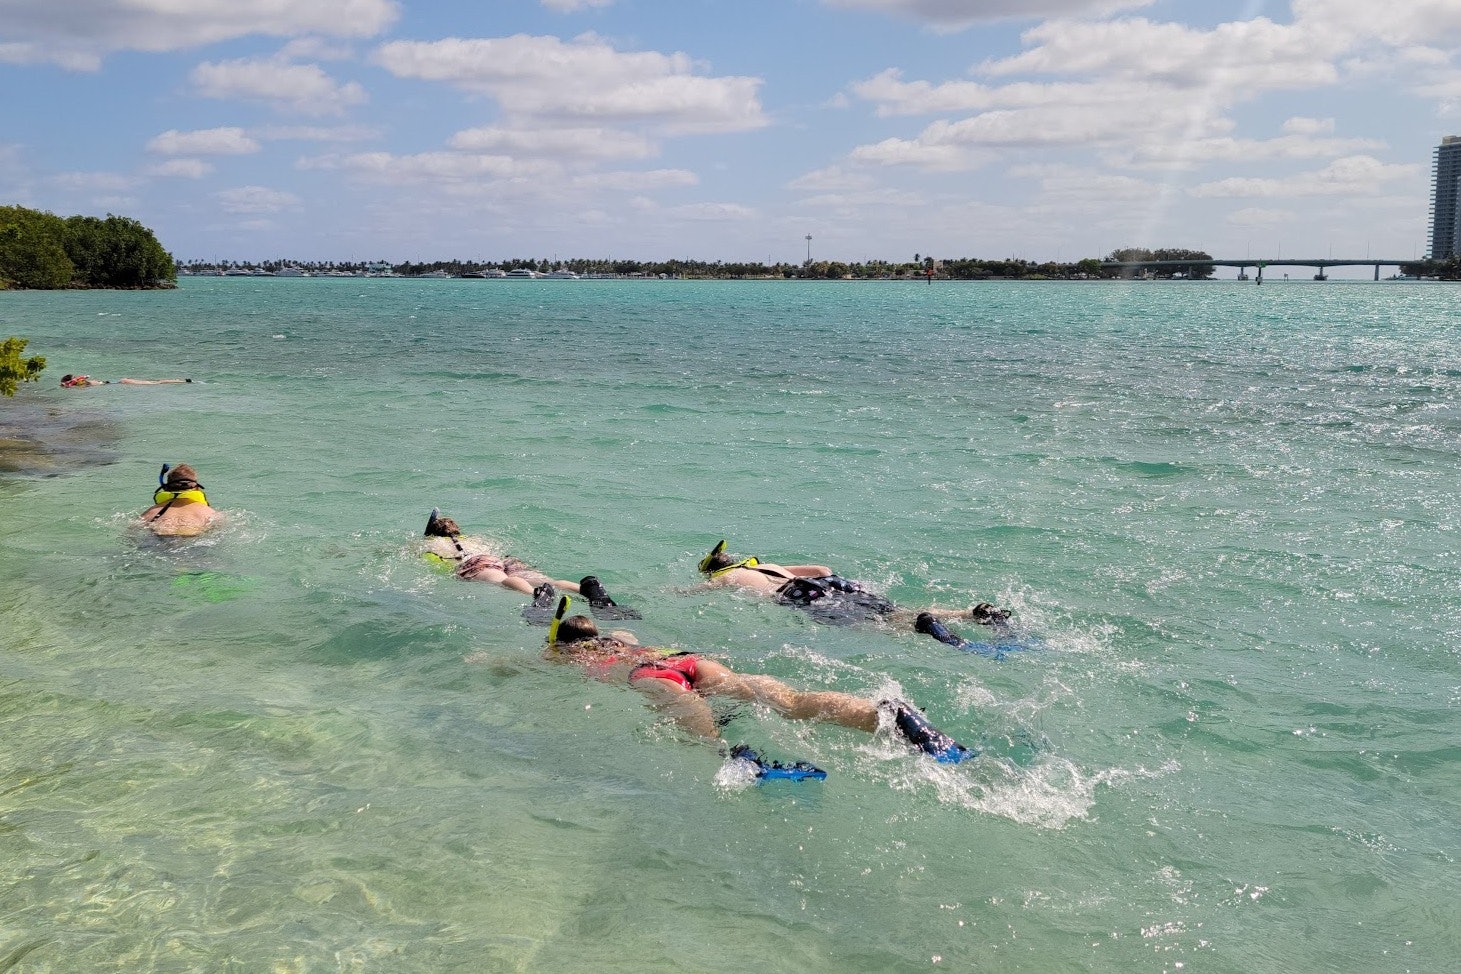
166 496
705 562
557 618
708 561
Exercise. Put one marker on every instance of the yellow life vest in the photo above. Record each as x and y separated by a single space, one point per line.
193 495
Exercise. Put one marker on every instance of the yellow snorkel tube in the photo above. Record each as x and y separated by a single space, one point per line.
705 562
705 568
557 618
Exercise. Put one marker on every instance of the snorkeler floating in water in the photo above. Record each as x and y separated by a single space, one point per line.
827 596
69 381
179 506
475 561
678 684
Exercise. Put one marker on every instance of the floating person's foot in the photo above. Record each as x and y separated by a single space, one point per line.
916 730
988 615
599 602
774 770
545 600
928 624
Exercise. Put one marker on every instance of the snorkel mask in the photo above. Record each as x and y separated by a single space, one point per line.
705 562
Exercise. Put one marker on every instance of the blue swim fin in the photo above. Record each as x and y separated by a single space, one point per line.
775 770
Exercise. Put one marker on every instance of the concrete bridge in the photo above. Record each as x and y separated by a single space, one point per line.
1320 263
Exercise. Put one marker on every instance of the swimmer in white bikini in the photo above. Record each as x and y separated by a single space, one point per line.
476 561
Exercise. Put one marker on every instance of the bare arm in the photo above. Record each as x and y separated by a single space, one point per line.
807 571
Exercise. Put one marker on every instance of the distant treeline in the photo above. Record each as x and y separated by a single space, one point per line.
1446 270
44 251
920 268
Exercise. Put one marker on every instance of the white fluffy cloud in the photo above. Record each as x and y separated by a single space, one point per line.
224 141
181 168
442 169
1349 176
303 89
256 199
78 34
583 80
560 143
957 14
570 6
1147 93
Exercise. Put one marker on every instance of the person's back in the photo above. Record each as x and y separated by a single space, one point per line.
180 508
725 570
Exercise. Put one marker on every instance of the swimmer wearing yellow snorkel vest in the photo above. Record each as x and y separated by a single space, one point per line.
179 506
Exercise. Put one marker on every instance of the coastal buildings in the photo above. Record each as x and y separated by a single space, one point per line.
1445 197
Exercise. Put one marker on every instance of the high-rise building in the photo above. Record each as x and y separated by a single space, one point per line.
1445 198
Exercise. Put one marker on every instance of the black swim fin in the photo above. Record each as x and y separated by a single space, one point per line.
928 624
540 611
916 730
599 602
989 615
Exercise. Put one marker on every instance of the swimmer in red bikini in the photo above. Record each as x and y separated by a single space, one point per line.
678 684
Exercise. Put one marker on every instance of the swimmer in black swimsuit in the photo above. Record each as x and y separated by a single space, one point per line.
827 596
678 683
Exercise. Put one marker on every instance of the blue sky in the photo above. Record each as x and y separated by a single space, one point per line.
438 129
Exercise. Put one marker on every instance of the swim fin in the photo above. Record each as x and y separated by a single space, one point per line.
989 615
540 611
599 602
916 730
775 770
927 624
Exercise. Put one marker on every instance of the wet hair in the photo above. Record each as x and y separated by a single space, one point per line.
441 527
181 477
577 628
720 560
67 378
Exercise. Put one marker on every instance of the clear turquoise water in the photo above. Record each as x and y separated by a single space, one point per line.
1226 517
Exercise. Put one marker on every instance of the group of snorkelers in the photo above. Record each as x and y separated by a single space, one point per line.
675 683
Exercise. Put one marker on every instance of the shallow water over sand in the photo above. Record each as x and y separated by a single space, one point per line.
1225 517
